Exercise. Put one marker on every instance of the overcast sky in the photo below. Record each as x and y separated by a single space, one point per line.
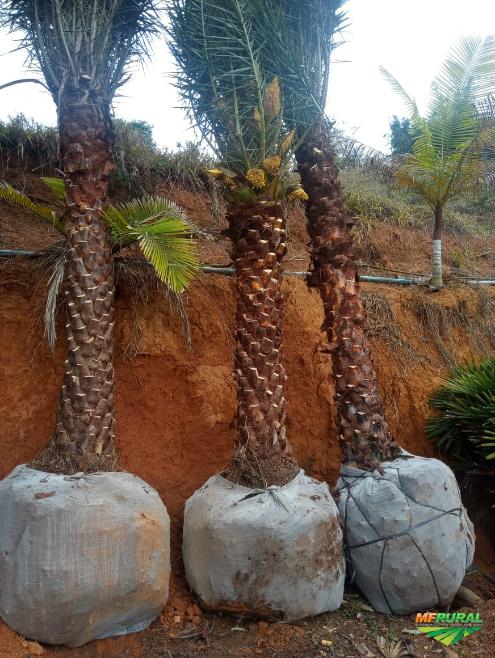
409 39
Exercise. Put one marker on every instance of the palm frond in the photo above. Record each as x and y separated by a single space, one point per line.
468 72
82 43
464 425
164 235
57 187
222 83
400 91
54 287
296 41
11 195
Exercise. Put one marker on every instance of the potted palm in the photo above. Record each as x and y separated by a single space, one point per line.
261 538
402 515
84 547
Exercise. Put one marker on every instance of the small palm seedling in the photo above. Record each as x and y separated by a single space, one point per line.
449 143
259 512
464 424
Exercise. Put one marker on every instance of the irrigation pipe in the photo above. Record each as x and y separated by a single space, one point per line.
228 271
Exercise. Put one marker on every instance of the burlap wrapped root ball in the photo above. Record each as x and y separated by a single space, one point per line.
82 557
407 536
273 552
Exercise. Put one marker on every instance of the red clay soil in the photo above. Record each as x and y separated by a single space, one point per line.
175 411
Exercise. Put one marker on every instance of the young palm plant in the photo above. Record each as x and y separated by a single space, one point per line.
236 103
296 41
450 141
83 49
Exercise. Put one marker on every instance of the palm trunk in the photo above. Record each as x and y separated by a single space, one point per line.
365 439
84 439
262 453
436 275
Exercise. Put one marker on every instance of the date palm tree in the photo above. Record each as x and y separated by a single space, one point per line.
83 49
296 41
236 105
449 142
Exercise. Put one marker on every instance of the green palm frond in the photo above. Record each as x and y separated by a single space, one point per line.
400 91
468 72
164 235
11 195
296 40
227 92
450 142
57 187
464 426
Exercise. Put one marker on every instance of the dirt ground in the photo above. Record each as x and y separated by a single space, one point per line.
176 450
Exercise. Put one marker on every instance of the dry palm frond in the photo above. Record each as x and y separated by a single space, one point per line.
381 324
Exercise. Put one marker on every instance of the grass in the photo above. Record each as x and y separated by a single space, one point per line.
371 200
140 164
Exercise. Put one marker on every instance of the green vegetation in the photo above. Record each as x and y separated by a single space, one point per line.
450 143
140 165
371 199
464 426
158 226
401 136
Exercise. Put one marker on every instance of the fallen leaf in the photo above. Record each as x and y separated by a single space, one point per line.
33 647
391 649
363 606
363 650
44 494
327 643
411 631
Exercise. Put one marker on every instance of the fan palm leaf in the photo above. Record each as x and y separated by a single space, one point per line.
159 226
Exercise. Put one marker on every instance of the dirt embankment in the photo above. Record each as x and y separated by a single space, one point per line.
175 408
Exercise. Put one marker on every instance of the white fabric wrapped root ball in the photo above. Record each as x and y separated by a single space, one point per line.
82 557
407 534
276 552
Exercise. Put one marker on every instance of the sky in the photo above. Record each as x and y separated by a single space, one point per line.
409 39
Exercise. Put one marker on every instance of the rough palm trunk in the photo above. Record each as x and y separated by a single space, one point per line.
84 439
436 273
364 435
262 453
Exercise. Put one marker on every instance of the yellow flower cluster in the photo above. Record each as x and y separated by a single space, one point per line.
272 165
271 102
299 194
256 178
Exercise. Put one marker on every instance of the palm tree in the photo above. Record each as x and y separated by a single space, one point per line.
296 41
236 105
159 227
83 49
448 143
